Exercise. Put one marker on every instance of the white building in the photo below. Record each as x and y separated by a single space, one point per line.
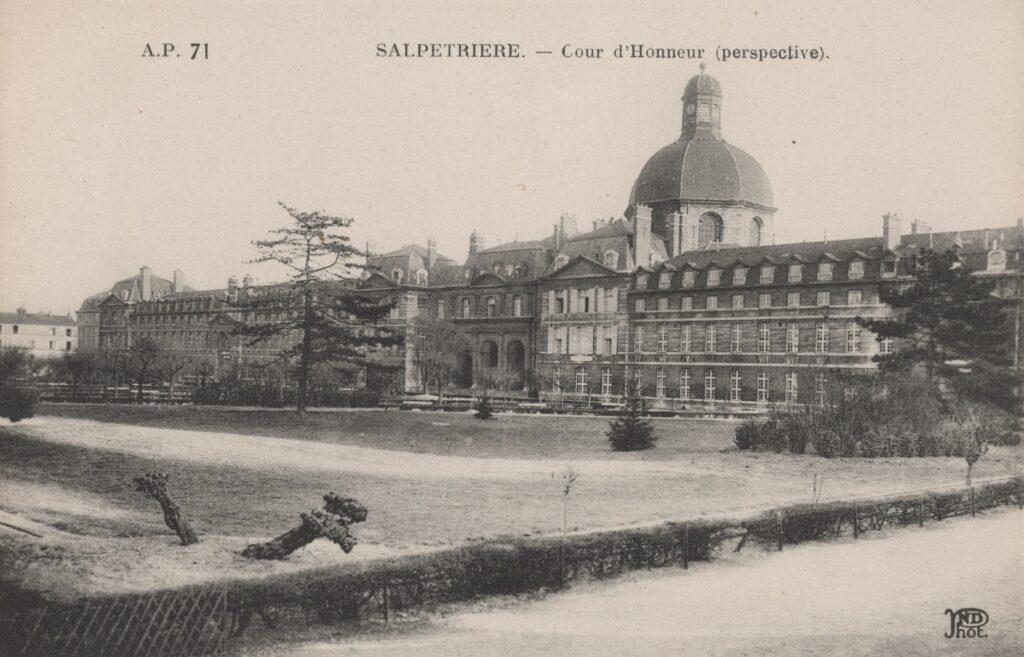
42 334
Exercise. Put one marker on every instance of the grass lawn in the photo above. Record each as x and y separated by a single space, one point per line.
246 475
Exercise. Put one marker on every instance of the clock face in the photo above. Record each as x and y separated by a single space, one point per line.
997 257
690 109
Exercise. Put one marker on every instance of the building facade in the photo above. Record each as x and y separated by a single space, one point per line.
43 335
687 295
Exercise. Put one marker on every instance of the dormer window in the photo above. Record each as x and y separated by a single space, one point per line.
856 269
421 277
767 274
825 271
888 268
492 307
641 282
561 261
611 259
714 277
796 273
465 308
664 280
688 278
396 275
739 276
509 270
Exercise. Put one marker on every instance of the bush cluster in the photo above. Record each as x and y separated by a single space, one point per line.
874 417
17 403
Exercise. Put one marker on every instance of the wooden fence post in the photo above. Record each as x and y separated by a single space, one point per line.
856 529
782 530
384 596
973 509
686 546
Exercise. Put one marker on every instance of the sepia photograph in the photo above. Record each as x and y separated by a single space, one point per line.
477 328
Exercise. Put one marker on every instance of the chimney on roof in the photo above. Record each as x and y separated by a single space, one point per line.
247 281
918 226
146 283
476 242
431 253
179 281
891 231
569 224
642 235
232 290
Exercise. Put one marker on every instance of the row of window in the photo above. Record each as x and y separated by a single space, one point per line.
53 345
764 300
685 388
588 300
490 307
766 274
16 327
729 338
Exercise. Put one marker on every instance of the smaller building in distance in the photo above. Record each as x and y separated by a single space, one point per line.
42 334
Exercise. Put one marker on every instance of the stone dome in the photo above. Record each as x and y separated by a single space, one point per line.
703 168
701 165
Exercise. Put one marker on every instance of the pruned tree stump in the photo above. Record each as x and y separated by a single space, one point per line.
154 484
331 523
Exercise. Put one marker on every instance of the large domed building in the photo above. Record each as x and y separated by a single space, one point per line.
702 190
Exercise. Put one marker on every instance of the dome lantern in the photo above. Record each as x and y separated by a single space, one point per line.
702 107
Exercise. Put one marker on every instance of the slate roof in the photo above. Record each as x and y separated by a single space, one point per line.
37 319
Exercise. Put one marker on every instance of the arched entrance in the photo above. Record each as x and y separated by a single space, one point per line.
515 361
464 370
488 354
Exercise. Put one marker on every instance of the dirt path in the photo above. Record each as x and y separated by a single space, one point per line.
884 595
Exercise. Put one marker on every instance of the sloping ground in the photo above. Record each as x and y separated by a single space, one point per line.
73 477
883 595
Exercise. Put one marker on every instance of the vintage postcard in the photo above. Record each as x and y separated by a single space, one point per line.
511 328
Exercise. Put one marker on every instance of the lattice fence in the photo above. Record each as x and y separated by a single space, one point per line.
180 623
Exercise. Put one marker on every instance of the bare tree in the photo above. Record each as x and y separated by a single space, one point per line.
332 523
141 363
438 345
154 484
77 366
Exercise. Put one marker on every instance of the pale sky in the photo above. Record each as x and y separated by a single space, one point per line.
110 161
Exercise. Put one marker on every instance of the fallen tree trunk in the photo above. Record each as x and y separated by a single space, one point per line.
154 484
332 523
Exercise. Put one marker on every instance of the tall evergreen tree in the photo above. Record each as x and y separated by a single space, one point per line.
318 314
948 315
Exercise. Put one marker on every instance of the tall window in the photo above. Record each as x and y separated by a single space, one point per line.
767 274
517 306
492 307
606 381
825 271
709 338
793 299
684 338
735 385
854 298
856 269
709 385
581 380
663 303
684 385
686 303
791 387
736 336
611 259
764 300
688 278
819 389
709 229
737 301
465 308
764 338
659 384
796 273
885 346
792 338
714 277
664 280
762 386
852 337
640 305
556 380
712 303
824 298
663 338
440 308
611 300
739 276
821 338
756 227
638 339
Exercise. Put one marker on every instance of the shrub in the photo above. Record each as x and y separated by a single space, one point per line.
747 434
631 429
483 408
17 404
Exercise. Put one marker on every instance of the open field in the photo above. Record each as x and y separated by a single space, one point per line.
70 481
882 595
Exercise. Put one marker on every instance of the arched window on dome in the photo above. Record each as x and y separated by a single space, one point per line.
611 259
561 261
709 229
510 270
756 228
497 268
396 275
421 277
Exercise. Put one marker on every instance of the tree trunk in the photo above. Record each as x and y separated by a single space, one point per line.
307 345
154 484
331 523
141 379
970 468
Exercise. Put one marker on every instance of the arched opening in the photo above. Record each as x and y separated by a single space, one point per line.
489 354
756 228
464 371
709 229
515 359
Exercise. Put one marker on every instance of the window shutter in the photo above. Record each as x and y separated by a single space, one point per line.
573 299
551 302
615 300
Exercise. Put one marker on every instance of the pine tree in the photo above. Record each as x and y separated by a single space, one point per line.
319 314
948 315
632 429
483 408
